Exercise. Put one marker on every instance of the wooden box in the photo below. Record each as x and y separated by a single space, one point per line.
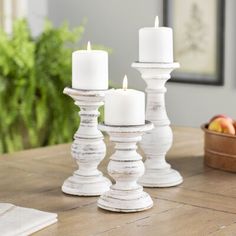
220 150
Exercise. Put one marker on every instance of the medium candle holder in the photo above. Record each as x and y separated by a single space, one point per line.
88 147
158 141
126 167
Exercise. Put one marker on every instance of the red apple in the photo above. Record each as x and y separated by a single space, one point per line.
221 116
222 125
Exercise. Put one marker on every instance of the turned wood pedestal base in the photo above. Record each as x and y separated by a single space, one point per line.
157 142
88 148
126 167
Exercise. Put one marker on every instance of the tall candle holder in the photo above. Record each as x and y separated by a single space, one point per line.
125 166
158 141
88 148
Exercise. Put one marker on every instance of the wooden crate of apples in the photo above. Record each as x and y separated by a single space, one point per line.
220 143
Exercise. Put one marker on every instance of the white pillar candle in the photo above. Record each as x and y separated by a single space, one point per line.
156 44
124 106
90 69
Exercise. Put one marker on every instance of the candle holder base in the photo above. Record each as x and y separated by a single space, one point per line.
88 147
126 167
86 186
125 201
161 178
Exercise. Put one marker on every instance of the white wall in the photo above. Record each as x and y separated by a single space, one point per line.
37 11
115 24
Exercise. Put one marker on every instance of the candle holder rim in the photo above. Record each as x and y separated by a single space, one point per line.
155 65
84 92
126 128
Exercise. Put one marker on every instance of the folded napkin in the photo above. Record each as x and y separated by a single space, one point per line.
21 221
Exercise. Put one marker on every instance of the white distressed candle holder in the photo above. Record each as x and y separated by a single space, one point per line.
88 147
158 141
126 167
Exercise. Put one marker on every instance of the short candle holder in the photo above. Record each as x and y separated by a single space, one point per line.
158 141
88 147
126 167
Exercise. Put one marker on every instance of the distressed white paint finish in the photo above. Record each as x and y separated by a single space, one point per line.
125 167
158 141
88 148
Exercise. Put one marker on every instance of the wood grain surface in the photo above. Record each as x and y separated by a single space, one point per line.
205 204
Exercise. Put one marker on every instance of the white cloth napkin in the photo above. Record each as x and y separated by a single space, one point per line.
21 221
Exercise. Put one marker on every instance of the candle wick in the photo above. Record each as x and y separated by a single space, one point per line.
89 46
156 22
125 83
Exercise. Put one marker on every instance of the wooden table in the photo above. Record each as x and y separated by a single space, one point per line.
205 204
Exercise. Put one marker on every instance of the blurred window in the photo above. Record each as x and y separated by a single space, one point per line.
11 10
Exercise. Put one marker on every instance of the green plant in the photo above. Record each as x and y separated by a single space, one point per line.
33 74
